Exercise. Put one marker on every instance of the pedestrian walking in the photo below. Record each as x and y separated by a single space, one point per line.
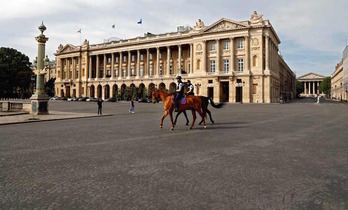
131 110
100 106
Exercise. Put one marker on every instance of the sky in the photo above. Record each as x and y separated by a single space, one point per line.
313 33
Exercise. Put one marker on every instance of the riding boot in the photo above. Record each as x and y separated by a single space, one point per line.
176 107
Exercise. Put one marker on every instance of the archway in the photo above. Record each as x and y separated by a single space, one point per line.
114 91
172 87
142 90
162 86
151 87
107 91
132 91
99 91
123 92
92 91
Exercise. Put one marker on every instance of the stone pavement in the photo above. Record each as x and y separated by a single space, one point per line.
255 156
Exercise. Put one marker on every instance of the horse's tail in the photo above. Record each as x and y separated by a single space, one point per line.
216 106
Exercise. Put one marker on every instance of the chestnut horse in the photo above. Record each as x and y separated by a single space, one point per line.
193 103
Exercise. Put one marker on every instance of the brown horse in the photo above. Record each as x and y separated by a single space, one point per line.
193 103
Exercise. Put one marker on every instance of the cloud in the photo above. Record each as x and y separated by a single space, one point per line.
313 33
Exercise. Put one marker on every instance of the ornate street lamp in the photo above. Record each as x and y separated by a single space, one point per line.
39 101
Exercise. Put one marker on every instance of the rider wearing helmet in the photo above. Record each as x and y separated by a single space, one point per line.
179 92
190 88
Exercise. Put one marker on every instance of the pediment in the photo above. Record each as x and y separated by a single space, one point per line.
66 48
311 76
224 25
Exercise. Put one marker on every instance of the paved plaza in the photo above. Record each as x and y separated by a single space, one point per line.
255 156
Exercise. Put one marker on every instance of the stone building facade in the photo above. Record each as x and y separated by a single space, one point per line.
339 79
229 61
311 83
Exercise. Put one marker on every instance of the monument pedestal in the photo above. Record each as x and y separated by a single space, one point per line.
39 105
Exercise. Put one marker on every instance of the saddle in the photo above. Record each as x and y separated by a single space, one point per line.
181 101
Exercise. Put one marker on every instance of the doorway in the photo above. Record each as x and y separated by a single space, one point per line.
224 91
239 94
210 92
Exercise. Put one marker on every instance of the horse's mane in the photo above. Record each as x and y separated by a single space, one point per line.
165 93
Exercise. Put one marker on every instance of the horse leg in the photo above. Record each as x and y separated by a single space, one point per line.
177 115
211 119
171 120
200 113
163 116
187 121
194 118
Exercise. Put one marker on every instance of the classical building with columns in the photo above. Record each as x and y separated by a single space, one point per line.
311 83
228 60
339 79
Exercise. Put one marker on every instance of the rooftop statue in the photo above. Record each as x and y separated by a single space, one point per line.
256 18
199 25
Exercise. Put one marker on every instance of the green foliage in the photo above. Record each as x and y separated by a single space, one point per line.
325 86
299 88
49 87
15 73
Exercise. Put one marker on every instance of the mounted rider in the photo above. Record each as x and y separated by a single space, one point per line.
179 93
190 88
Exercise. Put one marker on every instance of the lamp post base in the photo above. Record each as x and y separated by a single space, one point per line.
39 105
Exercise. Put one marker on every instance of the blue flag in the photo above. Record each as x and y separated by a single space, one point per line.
140 21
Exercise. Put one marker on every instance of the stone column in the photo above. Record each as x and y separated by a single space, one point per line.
97 67
120 69
90 68
191 58
112 69
129 64
79 74
148 61
68 68
217 71
304 88
232 55
247 53
73 68
138 63
179 59
157 61
168 60
61 69
267 52
204 60
104 71
313 88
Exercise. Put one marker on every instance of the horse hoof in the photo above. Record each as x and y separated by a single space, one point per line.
190 128
200 124
171 128
160 126
204 126
213 122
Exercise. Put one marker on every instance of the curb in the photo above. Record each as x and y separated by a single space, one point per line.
69 118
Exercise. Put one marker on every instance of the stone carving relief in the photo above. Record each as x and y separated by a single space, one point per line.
85 43
199 47
60 47
255 42
225 26
199 25
256 19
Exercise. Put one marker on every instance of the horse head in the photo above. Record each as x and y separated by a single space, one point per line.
155 95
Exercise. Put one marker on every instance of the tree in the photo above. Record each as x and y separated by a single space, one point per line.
49 87
299 88
15 73
325 86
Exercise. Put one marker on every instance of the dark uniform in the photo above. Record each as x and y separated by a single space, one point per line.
190 88
179 94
